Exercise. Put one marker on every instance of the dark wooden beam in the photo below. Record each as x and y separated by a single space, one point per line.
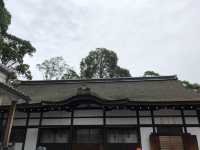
9 124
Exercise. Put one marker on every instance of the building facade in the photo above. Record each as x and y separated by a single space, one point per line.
148 113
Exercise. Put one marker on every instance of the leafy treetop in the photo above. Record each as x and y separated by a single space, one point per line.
102 63
13 49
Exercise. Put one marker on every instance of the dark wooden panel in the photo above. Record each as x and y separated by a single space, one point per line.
55 146
154 142
87 147
190 142
120 146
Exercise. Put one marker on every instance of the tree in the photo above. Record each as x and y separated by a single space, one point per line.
5 17
56 68
102 63
151 74
122 72
13 49
195 87
70 74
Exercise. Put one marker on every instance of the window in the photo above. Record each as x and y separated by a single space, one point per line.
171 143
170 138
121 135
53 138
54 135
88 135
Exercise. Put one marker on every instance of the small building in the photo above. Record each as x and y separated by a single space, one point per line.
148 113
9 98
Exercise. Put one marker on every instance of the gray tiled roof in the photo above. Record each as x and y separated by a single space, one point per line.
12 91
144 89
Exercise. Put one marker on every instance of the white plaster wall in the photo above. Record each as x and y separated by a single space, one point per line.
120 113
19 122
168 120
145 141
88 121
34 115
191 120
20 114
33 122
145 113
146 120
195 131
87 113
167 112
56 121
18 146
112 121
190 112
31 139
57 114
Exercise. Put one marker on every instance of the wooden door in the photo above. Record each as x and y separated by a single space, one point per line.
87 146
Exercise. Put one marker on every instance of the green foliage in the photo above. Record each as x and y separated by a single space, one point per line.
195 87
13 49
151 74
56 68
102 63
5 18
122 72
70 74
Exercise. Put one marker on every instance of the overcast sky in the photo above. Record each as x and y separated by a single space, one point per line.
159 35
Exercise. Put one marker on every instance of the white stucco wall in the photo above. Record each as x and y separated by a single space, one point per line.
195 131
57 114
118 121
18 146
191 120
167 112
168 120
19 122
121 113
146 120
56 122
31 139
88 113
88 121
145 133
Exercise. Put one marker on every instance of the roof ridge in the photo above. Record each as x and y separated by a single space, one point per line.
121 79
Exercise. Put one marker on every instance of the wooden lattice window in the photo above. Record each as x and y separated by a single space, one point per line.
171 143
88 135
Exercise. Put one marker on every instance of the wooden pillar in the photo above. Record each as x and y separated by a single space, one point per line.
9 124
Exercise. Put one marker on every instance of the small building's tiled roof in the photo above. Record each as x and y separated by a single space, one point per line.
12 91
140 89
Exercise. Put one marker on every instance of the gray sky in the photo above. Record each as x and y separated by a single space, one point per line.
159 35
